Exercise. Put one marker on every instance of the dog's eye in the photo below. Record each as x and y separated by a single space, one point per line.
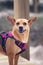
24 23
17 23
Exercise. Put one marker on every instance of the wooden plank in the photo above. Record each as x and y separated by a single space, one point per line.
35 2
21 10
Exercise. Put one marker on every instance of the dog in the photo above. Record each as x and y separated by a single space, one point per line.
14 42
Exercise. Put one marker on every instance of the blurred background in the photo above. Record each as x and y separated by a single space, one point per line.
36 32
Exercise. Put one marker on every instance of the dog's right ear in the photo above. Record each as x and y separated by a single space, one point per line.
11 19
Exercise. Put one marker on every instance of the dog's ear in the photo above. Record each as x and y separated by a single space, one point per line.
32 20
11 19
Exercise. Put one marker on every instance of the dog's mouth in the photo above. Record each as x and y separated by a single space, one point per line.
21 31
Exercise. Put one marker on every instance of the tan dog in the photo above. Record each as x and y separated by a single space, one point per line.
20 30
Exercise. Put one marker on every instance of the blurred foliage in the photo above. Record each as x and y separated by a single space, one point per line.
6 5
4 24
36 33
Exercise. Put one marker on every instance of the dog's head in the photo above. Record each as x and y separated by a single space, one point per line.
21 25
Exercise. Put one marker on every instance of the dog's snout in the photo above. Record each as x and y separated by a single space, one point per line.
20 28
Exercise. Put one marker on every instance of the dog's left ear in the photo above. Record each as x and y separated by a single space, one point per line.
11 19
32 20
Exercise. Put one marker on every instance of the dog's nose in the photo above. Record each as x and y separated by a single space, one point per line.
20 28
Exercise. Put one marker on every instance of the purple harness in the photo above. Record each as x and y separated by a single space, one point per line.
3 38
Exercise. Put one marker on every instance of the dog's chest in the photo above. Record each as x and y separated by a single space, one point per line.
11 47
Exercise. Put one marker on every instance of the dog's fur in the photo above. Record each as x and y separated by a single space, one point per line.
11 48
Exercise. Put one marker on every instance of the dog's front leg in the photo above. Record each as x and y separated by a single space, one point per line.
10 58
16 59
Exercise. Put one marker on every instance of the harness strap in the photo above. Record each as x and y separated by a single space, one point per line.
2 43
18 43
20 52
0 39
6 35
21 45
